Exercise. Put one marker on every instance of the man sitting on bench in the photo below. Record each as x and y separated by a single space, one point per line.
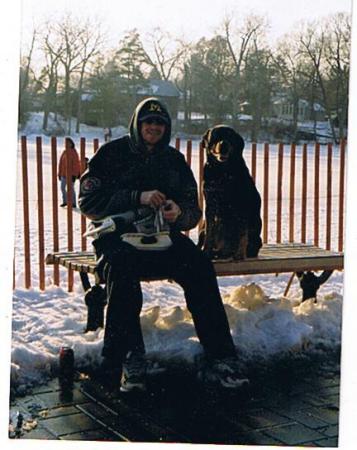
150 187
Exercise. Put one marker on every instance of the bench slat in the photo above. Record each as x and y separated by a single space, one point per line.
273 258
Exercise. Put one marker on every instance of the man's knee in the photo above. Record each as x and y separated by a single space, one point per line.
116 263
194 267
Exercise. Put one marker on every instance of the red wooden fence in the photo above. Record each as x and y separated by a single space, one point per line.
25 203
315 226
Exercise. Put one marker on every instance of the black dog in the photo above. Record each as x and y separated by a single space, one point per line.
233 223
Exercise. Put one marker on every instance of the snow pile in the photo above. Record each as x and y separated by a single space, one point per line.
262 326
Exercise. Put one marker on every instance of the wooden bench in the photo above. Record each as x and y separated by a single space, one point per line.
299 259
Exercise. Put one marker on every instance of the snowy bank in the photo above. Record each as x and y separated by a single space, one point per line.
263 326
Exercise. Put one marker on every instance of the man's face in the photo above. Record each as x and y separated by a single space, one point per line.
152 131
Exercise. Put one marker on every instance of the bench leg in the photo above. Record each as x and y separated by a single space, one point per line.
95 300
289 284
310 283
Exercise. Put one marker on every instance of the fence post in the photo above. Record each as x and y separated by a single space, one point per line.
177 144
304 194
83 168
292 193
189 162
95 145
329 197
266 193
41 244
189 152
341 195
254 161
25 194
69 212
316 194
54 207
200 181
279 193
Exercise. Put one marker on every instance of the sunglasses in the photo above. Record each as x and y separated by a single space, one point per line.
154 120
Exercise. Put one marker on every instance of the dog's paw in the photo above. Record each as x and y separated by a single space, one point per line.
239 257
224 255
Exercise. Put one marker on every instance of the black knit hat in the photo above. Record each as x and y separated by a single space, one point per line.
153 110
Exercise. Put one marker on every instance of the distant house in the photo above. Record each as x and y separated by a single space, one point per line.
163 90
283 109
92 111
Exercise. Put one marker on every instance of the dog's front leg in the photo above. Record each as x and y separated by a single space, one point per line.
208 246
241 244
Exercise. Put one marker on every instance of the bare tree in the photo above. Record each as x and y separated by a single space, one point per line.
164 53
25 70
52 50
337 56
91 43
288 65
78 44
238 44
27 62
312 43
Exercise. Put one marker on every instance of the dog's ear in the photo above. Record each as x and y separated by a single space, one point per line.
205 138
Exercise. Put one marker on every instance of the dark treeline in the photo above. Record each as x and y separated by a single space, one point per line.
236 77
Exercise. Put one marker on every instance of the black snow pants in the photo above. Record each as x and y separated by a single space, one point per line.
121 266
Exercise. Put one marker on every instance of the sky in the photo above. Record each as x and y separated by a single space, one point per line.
190 18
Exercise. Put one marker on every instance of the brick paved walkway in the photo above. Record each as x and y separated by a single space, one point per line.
293 402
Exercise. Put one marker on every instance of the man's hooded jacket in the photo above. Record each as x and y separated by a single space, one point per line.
123 168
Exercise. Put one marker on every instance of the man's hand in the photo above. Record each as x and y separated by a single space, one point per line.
152 198
171 211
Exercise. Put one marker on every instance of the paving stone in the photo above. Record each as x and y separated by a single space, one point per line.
280 402
74 423
39 433
333 400
50 386
96 410
328 382
331 390
315 399
329 415
331 431
305 417
329 442
110 419
95 435
293 434
303 412
52 399
59 411
252 437
261 418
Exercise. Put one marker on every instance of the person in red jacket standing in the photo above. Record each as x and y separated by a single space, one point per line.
74 170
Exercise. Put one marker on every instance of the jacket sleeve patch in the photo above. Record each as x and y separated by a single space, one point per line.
90 184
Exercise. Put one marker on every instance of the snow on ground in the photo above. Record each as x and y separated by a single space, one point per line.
33 127
263 323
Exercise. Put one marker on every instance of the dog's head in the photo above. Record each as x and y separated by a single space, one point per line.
222 143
